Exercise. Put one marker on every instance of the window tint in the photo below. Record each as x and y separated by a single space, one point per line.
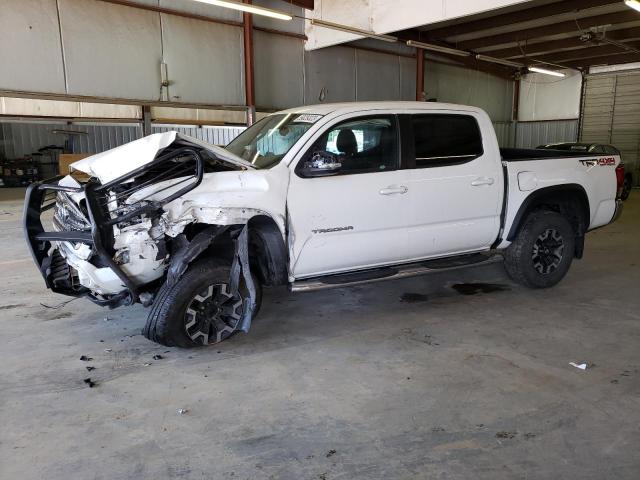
367 144
445 139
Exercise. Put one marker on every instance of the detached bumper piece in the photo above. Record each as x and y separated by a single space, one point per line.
185 164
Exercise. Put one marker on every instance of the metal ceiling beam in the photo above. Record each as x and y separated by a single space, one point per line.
583 53
612 60
308 4
469 62
510 18
623 35
551 29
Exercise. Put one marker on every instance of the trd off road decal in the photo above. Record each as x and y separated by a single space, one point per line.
599 161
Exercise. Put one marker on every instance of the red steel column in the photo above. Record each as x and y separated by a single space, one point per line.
249 90
419 75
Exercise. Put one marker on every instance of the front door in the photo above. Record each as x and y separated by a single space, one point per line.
355 218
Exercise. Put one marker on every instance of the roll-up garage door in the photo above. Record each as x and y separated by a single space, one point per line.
611 114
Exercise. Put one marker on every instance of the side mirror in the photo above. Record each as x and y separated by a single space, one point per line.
322 164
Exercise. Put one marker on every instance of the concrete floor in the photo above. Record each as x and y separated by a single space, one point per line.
359 383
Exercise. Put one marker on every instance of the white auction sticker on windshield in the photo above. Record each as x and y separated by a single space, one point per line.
308 118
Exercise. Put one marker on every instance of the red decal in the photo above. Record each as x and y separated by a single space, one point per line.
607 161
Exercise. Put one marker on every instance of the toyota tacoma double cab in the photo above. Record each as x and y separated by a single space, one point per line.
312 197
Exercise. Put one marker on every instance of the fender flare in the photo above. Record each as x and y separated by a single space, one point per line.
573 190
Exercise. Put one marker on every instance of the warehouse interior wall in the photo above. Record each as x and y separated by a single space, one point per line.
548 109
90 49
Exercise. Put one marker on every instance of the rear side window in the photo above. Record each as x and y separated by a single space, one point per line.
441 139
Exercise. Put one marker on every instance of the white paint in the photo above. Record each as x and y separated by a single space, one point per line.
385 16
543 97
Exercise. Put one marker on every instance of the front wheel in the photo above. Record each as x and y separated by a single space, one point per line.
199 309
542 253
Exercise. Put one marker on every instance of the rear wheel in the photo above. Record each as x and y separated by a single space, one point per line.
199 309
542 253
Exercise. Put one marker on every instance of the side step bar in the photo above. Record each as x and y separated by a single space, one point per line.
395 272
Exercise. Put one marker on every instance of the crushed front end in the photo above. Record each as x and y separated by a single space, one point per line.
107 240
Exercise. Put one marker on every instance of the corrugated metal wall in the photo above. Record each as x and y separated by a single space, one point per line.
18 139
23 138
532 134
611 115
505 132
215 135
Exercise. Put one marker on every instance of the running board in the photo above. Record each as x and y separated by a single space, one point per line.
395 272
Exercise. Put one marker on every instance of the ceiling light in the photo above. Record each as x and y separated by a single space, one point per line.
546 72
635 4
437 48
248 8
354 30
500 61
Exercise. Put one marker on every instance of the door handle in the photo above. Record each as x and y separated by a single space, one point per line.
482 181
393 190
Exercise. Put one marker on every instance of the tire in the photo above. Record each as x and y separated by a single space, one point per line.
626 187
542 253
198 309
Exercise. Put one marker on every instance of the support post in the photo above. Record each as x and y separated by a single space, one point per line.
146 120
420 75
247 29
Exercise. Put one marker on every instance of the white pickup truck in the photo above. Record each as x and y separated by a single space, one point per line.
313 197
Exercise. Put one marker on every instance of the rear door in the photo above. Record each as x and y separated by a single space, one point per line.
455 185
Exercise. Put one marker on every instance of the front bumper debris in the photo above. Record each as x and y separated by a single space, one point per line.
53 266
105 211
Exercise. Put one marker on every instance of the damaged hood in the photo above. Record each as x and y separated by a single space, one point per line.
114 163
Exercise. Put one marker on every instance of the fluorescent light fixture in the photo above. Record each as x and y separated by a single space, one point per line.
635 4
354 30
500 61
437 48
546 72
248 8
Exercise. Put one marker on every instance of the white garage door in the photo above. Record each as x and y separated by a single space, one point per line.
611 114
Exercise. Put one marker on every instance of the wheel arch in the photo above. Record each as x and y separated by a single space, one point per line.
570 200
267 250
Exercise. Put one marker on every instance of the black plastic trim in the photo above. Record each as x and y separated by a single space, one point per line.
538 194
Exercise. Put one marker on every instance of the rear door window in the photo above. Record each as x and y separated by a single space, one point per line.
445 139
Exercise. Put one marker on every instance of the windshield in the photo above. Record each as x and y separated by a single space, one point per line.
267 141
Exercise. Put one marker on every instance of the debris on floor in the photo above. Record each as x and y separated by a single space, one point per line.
90 382
183 411
331 453
60 305
108 350
158 357
84 358
581 366
89 368
506 434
